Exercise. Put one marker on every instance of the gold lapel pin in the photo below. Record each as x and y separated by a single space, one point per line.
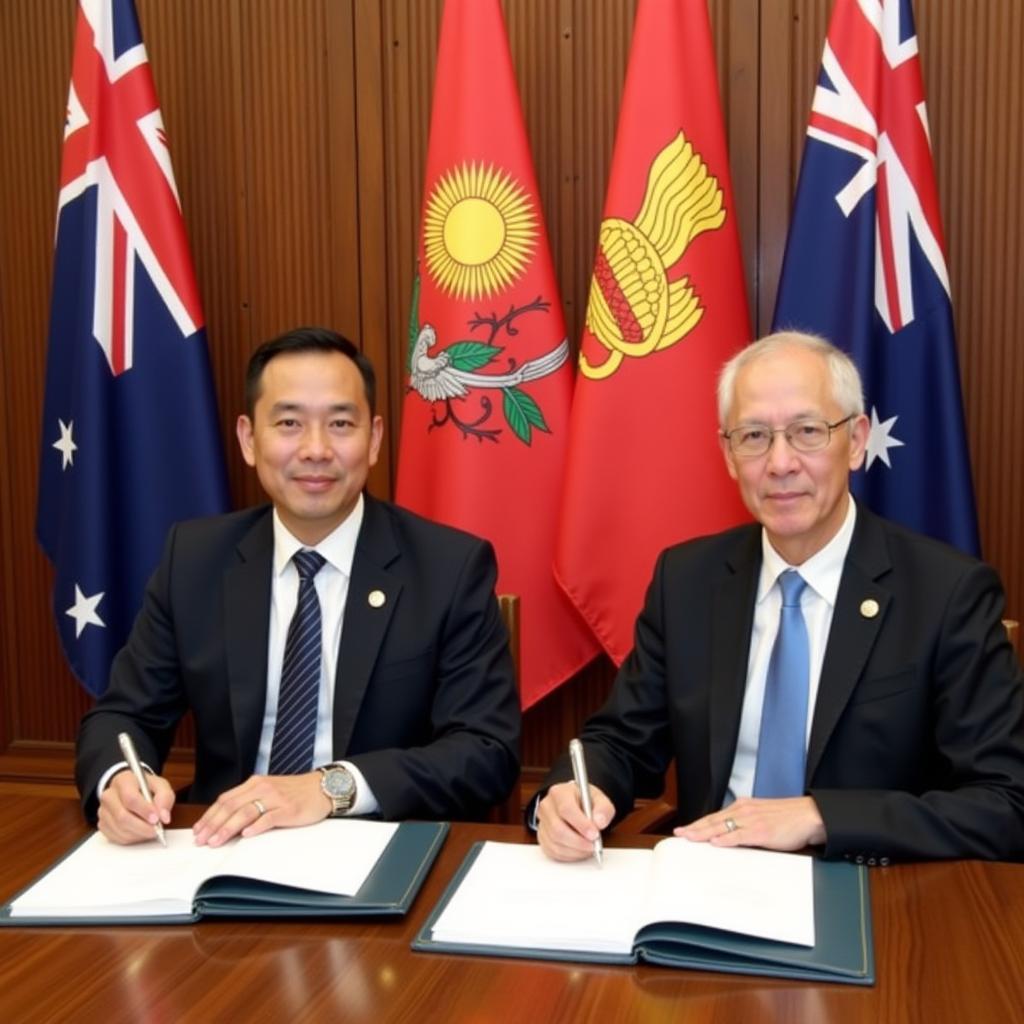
869 608
376 599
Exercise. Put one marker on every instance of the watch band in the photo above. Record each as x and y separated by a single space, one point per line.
339 786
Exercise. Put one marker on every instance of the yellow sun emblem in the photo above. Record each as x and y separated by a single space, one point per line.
479 231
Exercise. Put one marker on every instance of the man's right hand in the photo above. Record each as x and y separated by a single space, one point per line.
124 815
563 830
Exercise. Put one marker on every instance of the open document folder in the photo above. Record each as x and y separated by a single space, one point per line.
335 867
682 904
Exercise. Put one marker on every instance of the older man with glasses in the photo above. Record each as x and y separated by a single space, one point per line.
823 677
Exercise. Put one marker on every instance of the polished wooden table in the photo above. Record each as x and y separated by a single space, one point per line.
949 946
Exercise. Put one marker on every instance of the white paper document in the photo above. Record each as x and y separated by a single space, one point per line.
516 896
103 879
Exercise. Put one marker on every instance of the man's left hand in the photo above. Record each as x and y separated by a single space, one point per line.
261 803
788 824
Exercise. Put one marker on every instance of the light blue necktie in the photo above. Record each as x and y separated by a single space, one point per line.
781 749
291 752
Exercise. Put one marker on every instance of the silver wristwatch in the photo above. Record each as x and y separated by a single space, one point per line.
339 786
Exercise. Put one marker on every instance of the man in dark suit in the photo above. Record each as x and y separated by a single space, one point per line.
395 697
904 737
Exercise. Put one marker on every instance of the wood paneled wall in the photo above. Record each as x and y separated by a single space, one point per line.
298 131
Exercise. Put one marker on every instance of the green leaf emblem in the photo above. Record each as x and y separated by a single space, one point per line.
522 413
471 355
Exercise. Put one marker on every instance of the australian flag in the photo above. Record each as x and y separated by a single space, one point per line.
865 267
130 437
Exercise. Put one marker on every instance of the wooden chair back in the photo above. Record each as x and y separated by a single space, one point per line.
1013 632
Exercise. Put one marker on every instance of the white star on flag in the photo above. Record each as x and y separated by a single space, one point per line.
83 611
880 441
65 444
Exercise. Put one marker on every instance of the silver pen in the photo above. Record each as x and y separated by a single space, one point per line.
579 773
128 749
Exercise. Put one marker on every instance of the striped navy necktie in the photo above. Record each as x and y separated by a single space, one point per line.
291 752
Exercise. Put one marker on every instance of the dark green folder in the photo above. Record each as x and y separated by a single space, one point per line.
388 890
843 951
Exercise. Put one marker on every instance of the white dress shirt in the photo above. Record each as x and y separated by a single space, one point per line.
822 573
338 549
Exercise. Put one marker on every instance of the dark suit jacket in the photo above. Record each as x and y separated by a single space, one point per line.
917 743
425 702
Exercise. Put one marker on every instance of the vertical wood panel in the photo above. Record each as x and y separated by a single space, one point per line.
370 242
346 285
284 77
409 42
8 663
775 160
193 50
735 25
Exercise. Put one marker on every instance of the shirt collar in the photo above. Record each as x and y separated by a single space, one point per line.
822 571
338 547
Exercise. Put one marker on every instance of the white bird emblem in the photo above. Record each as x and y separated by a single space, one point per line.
436 379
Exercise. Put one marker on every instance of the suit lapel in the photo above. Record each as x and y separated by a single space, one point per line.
373 594
732 620
861 607
246 626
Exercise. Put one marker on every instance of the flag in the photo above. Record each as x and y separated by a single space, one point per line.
667 307
130 439
489 379
865 267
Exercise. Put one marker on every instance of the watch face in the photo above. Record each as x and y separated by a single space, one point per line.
339 783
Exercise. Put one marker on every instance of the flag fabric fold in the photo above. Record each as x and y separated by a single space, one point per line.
130 437
488 378
865 267
667 307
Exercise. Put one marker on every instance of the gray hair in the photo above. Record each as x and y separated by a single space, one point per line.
847 389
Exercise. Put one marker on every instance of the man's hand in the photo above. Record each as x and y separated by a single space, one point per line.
787 824
563 830
261 803
124 815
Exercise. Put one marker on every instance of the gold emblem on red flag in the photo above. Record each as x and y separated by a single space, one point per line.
479 231
634 308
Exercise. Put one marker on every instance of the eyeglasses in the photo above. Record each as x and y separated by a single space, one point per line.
749 440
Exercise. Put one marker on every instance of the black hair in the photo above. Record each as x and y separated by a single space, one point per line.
306 339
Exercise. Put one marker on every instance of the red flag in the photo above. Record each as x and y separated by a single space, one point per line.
667 307
486 412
